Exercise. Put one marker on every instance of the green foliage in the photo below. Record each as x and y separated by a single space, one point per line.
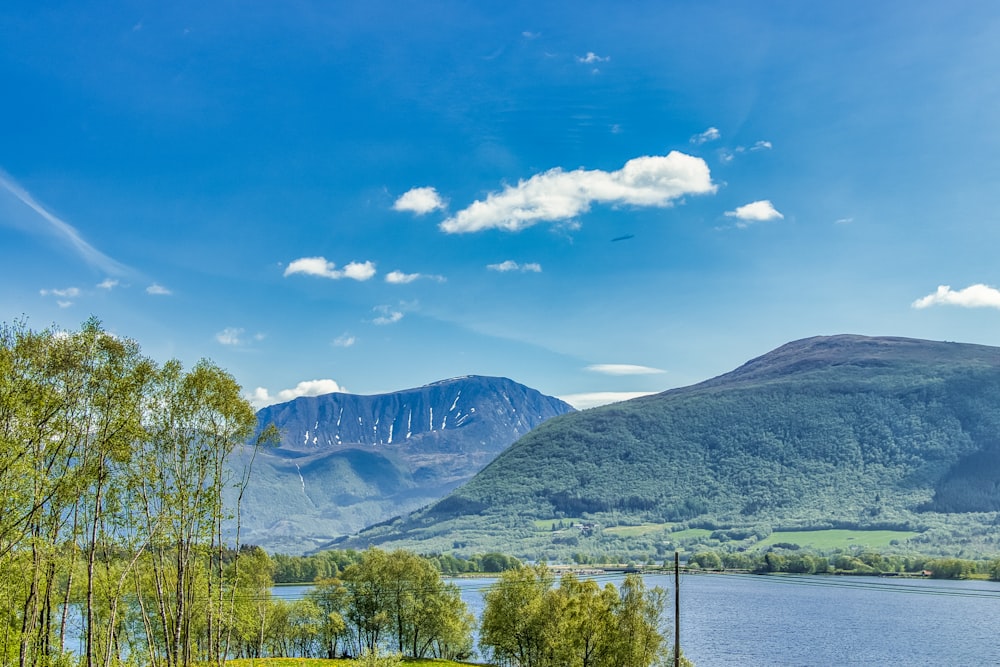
111 477
527 622
307 569
329 564
707 560
399 599
950 568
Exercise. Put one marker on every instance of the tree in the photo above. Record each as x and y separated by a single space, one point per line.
528 623
638 615
586 625
510 628
194 421
330 596
111 477
400 597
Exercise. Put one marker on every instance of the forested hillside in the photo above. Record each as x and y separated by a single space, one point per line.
828 431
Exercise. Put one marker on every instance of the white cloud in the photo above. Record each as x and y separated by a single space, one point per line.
761 146
843 221
758 211
108 284
711 134
234 336
318 266
344 340
359 270
400 278
63 296
230 336
419 201
387 315
158 290
557 195
596 398
511 265
624 369
68 293
62 229
592 58
973 296
261 397
527 34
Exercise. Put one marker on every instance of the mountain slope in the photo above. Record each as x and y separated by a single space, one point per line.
828 430
346 461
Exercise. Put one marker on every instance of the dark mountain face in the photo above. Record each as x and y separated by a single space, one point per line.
823 431
347 461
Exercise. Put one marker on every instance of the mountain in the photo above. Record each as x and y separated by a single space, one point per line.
838 431
346 461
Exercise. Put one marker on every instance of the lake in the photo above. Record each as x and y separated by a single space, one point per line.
807 621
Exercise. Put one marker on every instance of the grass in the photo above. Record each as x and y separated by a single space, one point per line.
636 531
828 540
689 534
547 525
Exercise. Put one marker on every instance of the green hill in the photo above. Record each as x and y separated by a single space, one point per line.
842 431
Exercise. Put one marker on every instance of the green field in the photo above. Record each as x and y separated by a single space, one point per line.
636 531
828 540
690 534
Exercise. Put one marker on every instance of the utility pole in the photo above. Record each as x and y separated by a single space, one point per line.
677 609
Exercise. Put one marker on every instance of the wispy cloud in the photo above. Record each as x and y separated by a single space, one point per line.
108 284
235 336
230 336
592 58
711 134
158 290
67 293
973 296
596 398
510 265
624 369
261 397
758 211
386 315
63 296
728 156
318 266
344 340
400 278
63 229
558 195
420 201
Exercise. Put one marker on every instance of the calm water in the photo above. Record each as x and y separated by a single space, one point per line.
747 620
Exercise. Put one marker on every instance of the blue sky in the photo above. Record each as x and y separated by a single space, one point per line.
593 199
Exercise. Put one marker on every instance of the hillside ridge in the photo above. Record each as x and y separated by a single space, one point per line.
828 430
